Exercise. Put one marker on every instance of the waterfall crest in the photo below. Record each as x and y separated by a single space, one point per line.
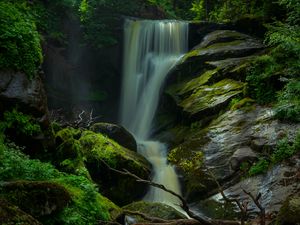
151 49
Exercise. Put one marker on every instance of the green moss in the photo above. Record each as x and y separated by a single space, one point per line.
19 39
68 133
188 161
87 206
222 45
20 123
290 211
206 97
243 103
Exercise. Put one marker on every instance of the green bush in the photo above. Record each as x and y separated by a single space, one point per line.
259 167
20 123
87 206
262 76
288 106
20 48
284 150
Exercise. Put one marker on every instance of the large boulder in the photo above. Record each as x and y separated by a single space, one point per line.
11 214
215 46
17 89
222 44
197 100
36 198
117 133
97 155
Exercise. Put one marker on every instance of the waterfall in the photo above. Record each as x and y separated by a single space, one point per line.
151 49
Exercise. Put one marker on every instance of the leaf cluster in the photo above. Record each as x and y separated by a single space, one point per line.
20 47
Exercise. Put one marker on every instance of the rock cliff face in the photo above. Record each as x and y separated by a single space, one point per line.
30 95
212 116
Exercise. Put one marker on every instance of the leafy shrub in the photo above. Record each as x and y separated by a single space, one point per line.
259 167
288 106
284 150
262 78
20 47
21 123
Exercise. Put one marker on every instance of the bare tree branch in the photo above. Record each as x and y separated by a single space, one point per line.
184 205
257 203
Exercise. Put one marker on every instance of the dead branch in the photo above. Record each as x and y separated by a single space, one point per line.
146 217
257 203
242 206
174 222
184 205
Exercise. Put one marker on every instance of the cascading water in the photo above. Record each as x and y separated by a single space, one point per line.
151 49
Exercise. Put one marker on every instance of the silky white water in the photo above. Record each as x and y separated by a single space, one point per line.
151 49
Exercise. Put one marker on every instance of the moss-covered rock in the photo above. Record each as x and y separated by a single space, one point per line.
36 198
219 141
99 151
89 153
86 203
195 98
154 209
11 215
117 133
289 212
223 44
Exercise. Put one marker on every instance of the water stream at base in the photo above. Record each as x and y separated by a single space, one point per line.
151 49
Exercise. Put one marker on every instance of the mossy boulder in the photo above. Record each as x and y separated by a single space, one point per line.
223 44
117 133
93 153
154 209
197 99
69 157
101 151
11 215
36 198
215 46
290 211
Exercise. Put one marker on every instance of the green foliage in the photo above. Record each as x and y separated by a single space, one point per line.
87 206
198 8
267 72
20 123
20 47
284 150
288 106
259 167
100 19
262 78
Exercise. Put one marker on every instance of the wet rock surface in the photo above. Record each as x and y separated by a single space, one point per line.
275 186
18 89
